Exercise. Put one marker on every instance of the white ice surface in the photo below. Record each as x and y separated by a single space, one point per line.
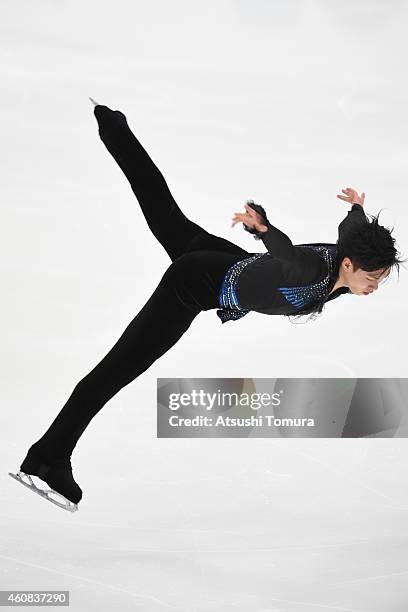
284 102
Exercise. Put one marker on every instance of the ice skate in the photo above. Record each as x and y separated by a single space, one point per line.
65 503
64 491
94 102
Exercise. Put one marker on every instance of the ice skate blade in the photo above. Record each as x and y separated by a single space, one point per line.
94 102
68 505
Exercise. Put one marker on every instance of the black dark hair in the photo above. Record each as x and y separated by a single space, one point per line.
370 247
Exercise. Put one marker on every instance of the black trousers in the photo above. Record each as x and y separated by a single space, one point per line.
190 284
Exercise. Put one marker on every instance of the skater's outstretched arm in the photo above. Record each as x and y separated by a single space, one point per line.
356 216
280 246
277 242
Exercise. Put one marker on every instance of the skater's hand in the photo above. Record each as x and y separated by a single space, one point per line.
251 218
352 196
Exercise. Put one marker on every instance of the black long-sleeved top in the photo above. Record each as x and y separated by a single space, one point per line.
287 278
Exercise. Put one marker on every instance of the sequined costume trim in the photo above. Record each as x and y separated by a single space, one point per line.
227 299
300 297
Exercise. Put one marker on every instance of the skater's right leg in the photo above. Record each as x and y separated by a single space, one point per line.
176 233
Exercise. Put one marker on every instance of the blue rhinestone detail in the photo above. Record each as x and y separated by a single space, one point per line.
300 297
227 299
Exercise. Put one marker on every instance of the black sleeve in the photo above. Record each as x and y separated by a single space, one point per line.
277 243
281 247
355 217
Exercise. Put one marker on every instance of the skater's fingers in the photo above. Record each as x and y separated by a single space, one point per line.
250 210
241 218
238 219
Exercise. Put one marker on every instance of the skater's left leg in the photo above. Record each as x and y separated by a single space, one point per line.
189 285
161 322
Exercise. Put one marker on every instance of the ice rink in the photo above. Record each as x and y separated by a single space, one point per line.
282 101
209 525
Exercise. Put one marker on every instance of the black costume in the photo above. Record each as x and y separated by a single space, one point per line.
207 272
287 278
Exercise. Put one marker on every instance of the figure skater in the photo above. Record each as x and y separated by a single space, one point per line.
207 272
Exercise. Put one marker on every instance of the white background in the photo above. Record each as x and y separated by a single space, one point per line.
287 103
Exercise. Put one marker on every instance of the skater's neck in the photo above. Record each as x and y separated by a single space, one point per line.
340 282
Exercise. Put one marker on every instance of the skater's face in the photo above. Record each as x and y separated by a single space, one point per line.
362 282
